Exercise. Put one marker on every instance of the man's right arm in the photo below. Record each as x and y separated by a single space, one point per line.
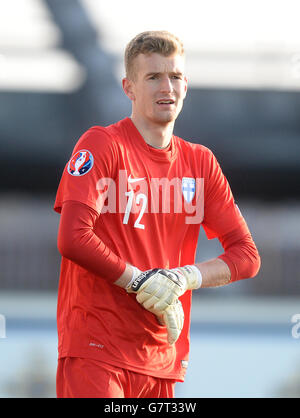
78 242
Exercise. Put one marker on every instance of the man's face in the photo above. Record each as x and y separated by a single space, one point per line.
158 89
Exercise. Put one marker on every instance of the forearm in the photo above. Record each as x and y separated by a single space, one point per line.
214 273
240 260
126 277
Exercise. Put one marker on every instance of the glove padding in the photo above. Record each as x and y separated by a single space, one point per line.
158 289
173 318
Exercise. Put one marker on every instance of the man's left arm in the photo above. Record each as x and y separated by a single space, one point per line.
240 260
214 273
223 220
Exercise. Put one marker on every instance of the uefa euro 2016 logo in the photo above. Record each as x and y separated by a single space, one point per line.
80 163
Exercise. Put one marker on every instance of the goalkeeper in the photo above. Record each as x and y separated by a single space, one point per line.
128 242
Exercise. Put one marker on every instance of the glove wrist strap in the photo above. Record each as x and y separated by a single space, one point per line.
135 274
198 275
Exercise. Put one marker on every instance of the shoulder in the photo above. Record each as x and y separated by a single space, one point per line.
199 157
97 136
194 149
101 140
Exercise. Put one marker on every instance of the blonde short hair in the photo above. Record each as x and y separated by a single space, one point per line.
161 42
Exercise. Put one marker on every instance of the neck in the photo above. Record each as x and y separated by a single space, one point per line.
155 135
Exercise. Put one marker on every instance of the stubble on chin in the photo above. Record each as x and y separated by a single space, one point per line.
166 117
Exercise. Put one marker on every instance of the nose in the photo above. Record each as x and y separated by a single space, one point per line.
166 85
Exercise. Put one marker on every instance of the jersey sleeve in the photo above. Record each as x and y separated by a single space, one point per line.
221 214
78 242
241 254
94 157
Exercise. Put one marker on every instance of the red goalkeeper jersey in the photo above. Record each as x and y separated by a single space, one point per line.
150 205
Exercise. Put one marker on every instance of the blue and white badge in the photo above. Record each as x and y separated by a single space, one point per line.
188 188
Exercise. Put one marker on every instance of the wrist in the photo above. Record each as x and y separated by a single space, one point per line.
135 273
129 275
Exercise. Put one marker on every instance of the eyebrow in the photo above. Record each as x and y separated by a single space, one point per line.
178 73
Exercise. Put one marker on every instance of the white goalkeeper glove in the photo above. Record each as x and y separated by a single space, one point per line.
156 289
191 274
173 319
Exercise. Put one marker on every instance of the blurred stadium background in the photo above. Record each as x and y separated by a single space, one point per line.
60 73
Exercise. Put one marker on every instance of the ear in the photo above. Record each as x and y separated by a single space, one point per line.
128 88
185 86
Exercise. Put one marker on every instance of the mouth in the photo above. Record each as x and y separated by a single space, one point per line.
165 102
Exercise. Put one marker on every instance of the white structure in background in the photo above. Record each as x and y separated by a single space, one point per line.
30 55
251 44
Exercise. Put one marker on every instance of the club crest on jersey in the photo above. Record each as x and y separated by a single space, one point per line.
80 163
188 187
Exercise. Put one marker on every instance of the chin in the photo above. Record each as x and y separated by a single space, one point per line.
166 118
